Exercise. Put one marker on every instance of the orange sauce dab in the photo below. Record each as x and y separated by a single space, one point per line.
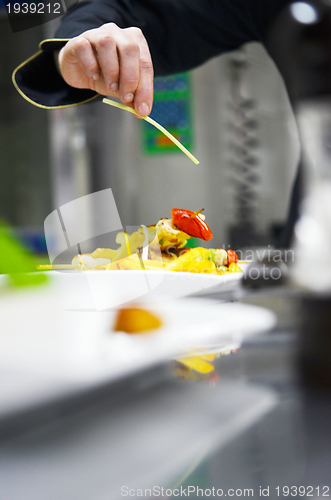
136 320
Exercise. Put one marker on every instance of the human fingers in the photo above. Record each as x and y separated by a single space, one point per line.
136 70
118 54
79 50
104 43
143 100
129 60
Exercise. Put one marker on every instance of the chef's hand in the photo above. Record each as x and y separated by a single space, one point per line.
113 62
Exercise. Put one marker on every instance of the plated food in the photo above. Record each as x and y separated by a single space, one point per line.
163 246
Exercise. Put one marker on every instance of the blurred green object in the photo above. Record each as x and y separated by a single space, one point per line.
16 261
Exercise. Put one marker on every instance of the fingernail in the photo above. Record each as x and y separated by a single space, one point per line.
96 76
128 97
114 86
143 109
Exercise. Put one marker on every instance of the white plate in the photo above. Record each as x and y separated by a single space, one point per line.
101 290
47 350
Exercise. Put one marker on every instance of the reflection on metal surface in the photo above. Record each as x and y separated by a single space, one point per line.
199 366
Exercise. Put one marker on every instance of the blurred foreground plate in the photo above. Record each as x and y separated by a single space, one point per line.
48 351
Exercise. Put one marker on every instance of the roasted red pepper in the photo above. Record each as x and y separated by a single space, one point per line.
232 257
190 223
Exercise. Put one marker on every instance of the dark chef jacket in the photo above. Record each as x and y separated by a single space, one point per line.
181 34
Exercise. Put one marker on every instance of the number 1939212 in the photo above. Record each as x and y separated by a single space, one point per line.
34 8
303 491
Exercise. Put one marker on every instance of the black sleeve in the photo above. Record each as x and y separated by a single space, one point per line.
181 34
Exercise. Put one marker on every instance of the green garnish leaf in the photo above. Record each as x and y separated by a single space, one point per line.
16 261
